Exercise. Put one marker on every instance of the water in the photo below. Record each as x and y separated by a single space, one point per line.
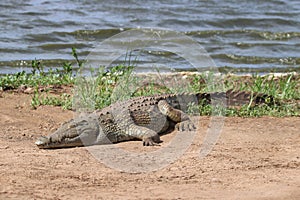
240 34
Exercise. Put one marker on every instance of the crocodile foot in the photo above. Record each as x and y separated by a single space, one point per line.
152 141
185 126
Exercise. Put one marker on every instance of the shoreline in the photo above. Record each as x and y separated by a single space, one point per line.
25 65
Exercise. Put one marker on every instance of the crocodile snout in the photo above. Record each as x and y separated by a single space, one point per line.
42 141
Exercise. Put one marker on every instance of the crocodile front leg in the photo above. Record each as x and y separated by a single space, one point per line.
148 136
182 119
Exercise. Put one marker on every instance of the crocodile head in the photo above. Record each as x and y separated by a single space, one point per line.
76 132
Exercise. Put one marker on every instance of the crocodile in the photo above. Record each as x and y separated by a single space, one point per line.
144 118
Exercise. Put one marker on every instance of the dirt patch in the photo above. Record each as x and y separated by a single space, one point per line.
254 158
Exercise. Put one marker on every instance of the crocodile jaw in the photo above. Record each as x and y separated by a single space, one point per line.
45 143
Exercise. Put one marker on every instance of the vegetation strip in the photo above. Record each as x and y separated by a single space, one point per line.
54 87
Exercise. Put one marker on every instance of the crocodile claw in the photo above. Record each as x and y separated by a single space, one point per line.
185 126
152 141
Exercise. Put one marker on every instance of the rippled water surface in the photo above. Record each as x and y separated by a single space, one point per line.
240 34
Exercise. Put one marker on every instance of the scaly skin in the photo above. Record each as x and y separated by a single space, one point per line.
142 118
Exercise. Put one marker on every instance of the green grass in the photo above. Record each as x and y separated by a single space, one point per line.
285 90
38 77
116 83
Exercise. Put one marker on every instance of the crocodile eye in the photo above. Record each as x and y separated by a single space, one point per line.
72 126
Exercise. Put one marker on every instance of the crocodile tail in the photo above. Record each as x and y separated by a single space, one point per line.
235 98
204 98
238 98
